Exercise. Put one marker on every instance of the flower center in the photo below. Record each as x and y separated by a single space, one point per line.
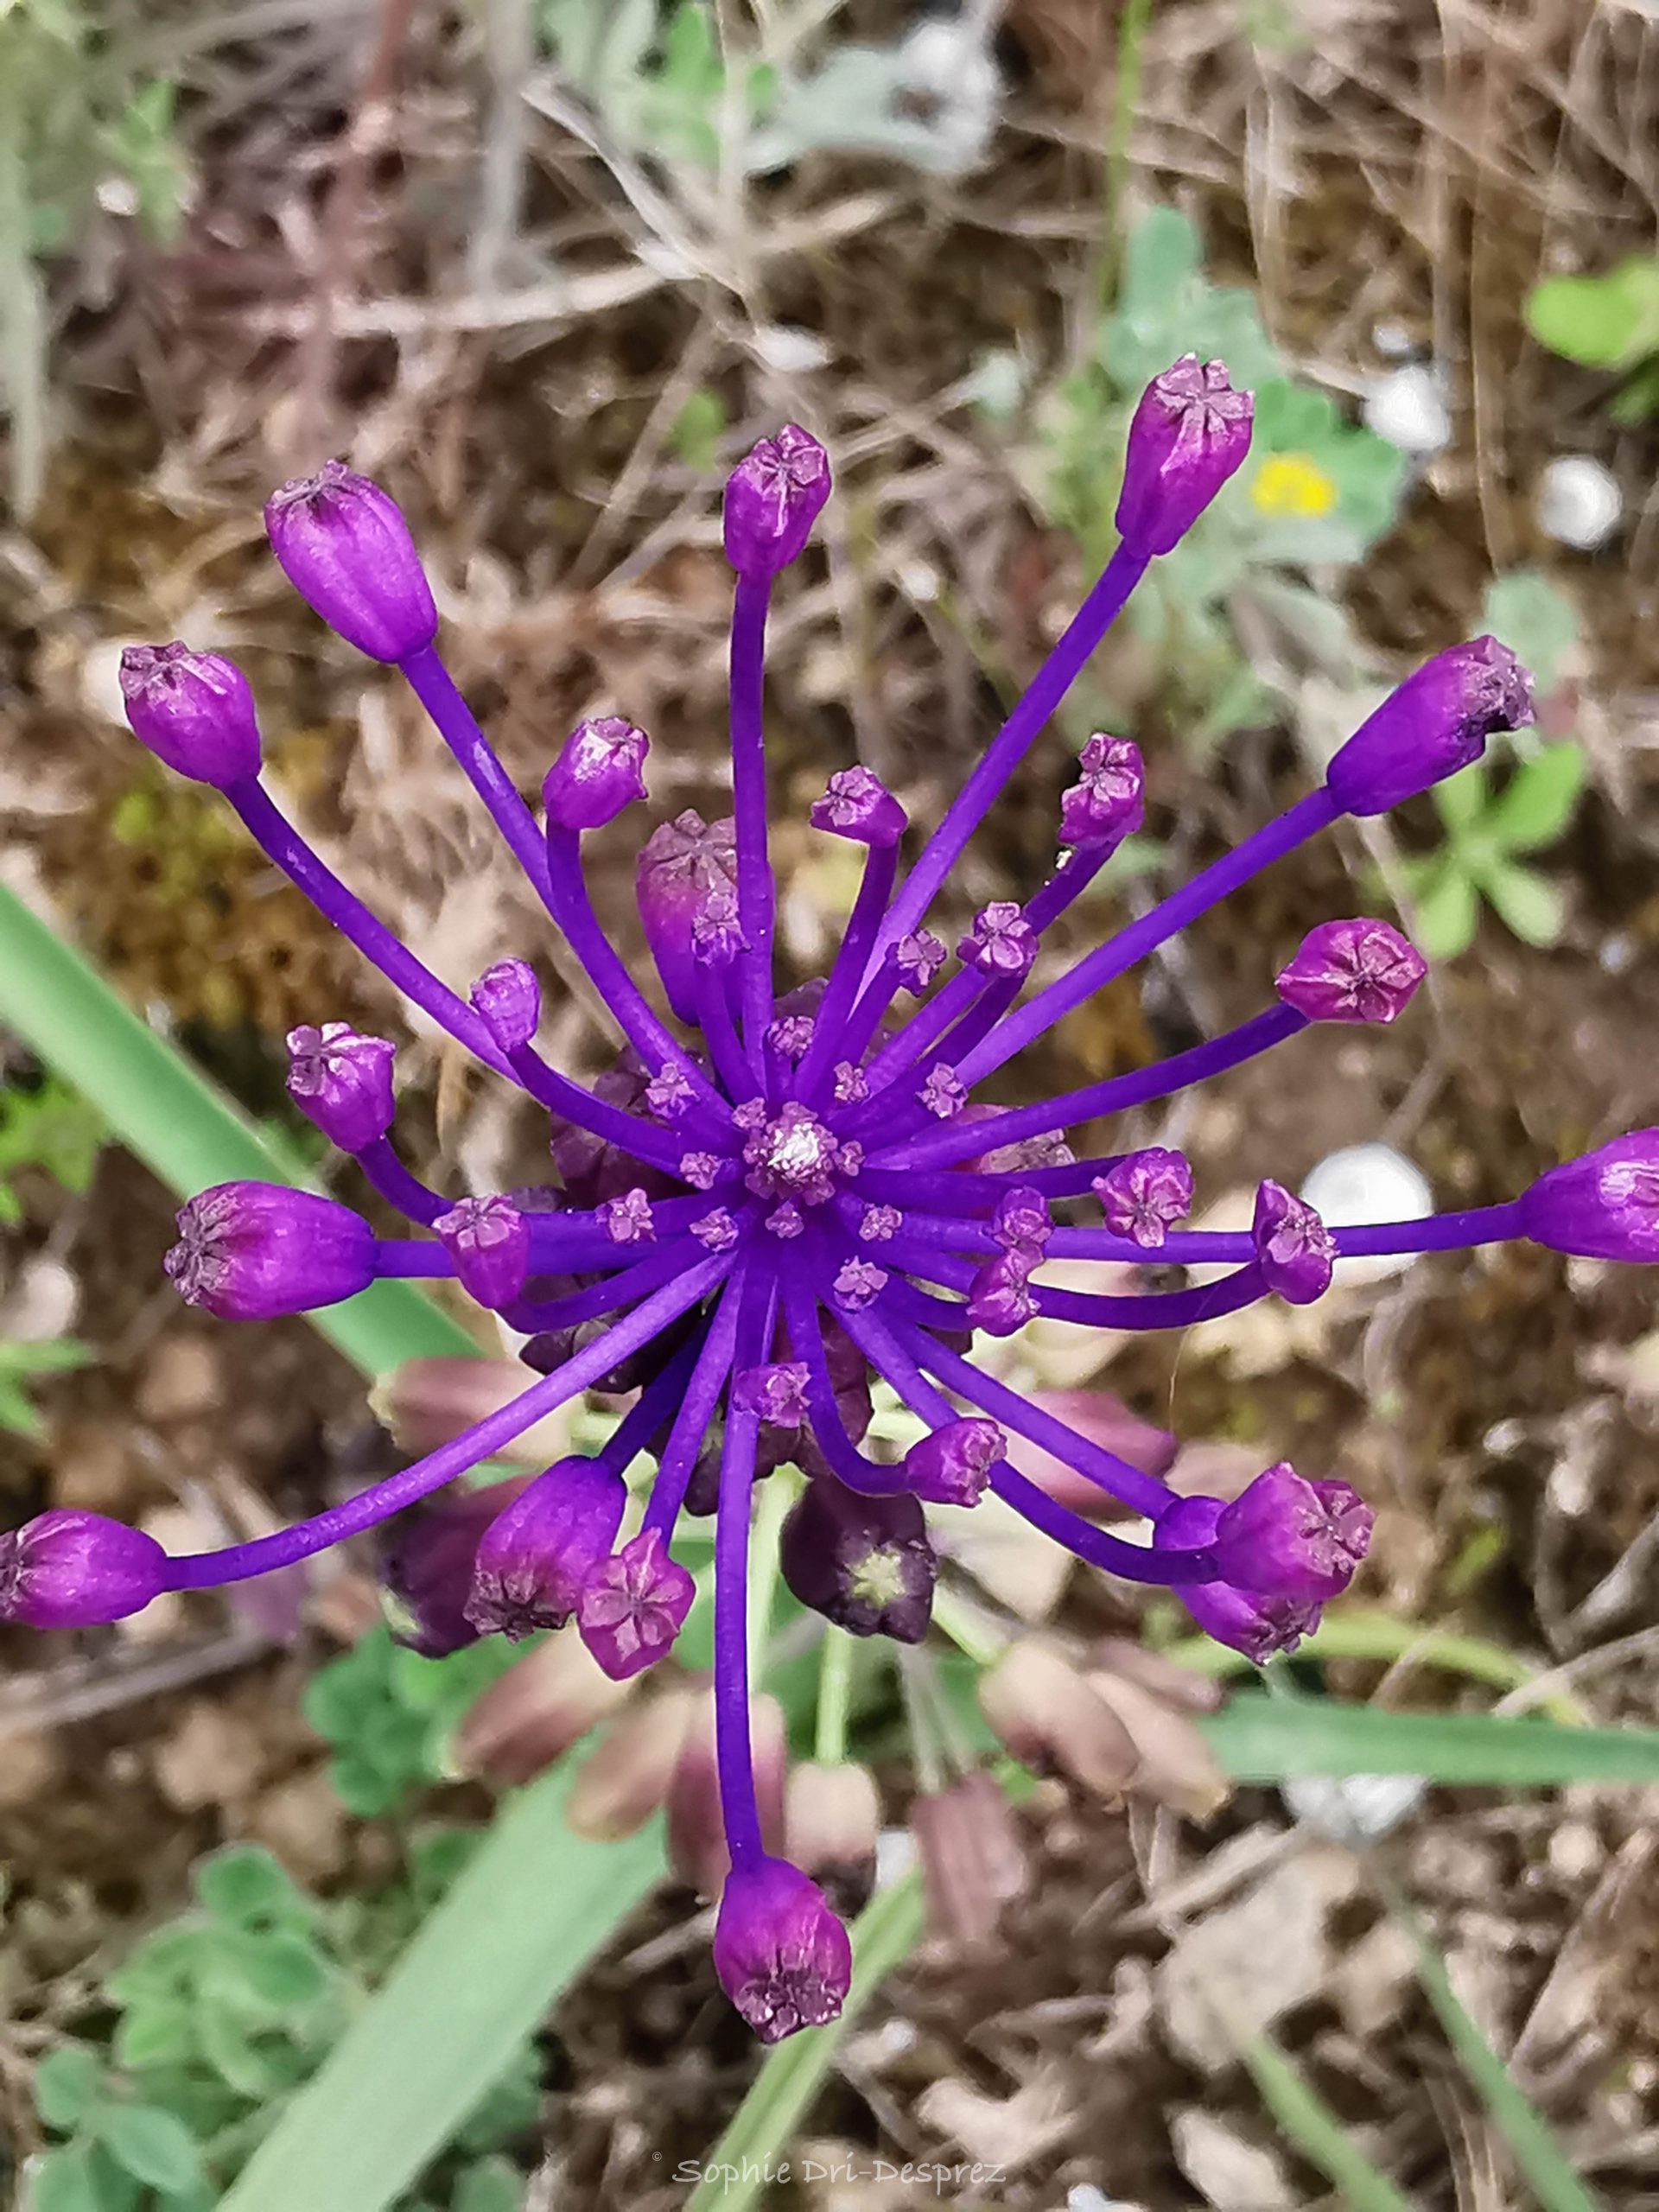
792 1155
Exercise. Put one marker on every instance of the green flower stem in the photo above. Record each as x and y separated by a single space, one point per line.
837 1655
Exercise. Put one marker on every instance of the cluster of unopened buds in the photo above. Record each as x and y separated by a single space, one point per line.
766 1206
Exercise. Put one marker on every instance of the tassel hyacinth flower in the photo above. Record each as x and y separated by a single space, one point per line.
770 1202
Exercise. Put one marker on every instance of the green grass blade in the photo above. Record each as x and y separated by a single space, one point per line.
179 1125
531 1908
1259 1738
1306 2121
734 2172
1544 2164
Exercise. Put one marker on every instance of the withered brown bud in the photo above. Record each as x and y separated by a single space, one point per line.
696 1832
1040 1708
973 1859
832 1815
1177 1765
1175 1684
534 1712
426 1403
626 1777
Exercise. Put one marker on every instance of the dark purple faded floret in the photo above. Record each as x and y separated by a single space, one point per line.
769 1202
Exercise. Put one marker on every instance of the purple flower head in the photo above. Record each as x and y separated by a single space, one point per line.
1437 721
775 1393
1605 1206
1294 1248
343 544
69 1569
1002 944
864 1562
773 497
783 1958
952 1465
1286 1537
1351 971
342 1082
1143 1195
1108 801
534 1557
488 1241
833 1175
509 1003
633 1604
683 864
1258 1625
1189 434
859 805
600 770
194 711
250 1251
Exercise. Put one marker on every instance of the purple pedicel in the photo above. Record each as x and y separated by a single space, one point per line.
194 711
1437 721
1107 802
1189 434
1145 1194
601 771
70 1569
633 1604
341 1081
782 1956
1351 971
534 1559
828 1175
773 497
859 805
509 1003
1294 1248
488 1242
252 1251
343 544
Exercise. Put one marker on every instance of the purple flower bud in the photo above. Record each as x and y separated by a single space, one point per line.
999 1296
194 711
633 1604
1190 431
920 957
864 1563
1605 1205
628 1219
951 1465
772 498
508 999
341 1081
1289 1538
1143 1195
701 1169
775 1393
1294 1248
488 1241
69 1569
852 1084
715 1231
426 1566
717 935
1002 944
343 544
859 805
1108 801
1244 1620
682 862
783 1958
667 1092
1435 722
250 1251
942 1093
1021 1225
1351 971
858 1283
599 771
534 1559
790 1037
786 1222
878 1224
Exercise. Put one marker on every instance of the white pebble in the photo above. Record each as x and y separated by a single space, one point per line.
1579 502
1408 407
1369 1182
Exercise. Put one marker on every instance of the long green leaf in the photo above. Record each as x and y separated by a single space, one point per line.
1545 2167
1259 1738
734 2171
1307 2120
178 1124
521 1922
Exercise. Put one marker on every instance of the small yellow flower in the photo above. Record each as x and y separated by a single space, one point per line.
1292 484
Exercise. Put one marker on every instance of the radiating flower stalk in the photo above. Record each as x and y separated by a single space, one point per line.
771 1200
